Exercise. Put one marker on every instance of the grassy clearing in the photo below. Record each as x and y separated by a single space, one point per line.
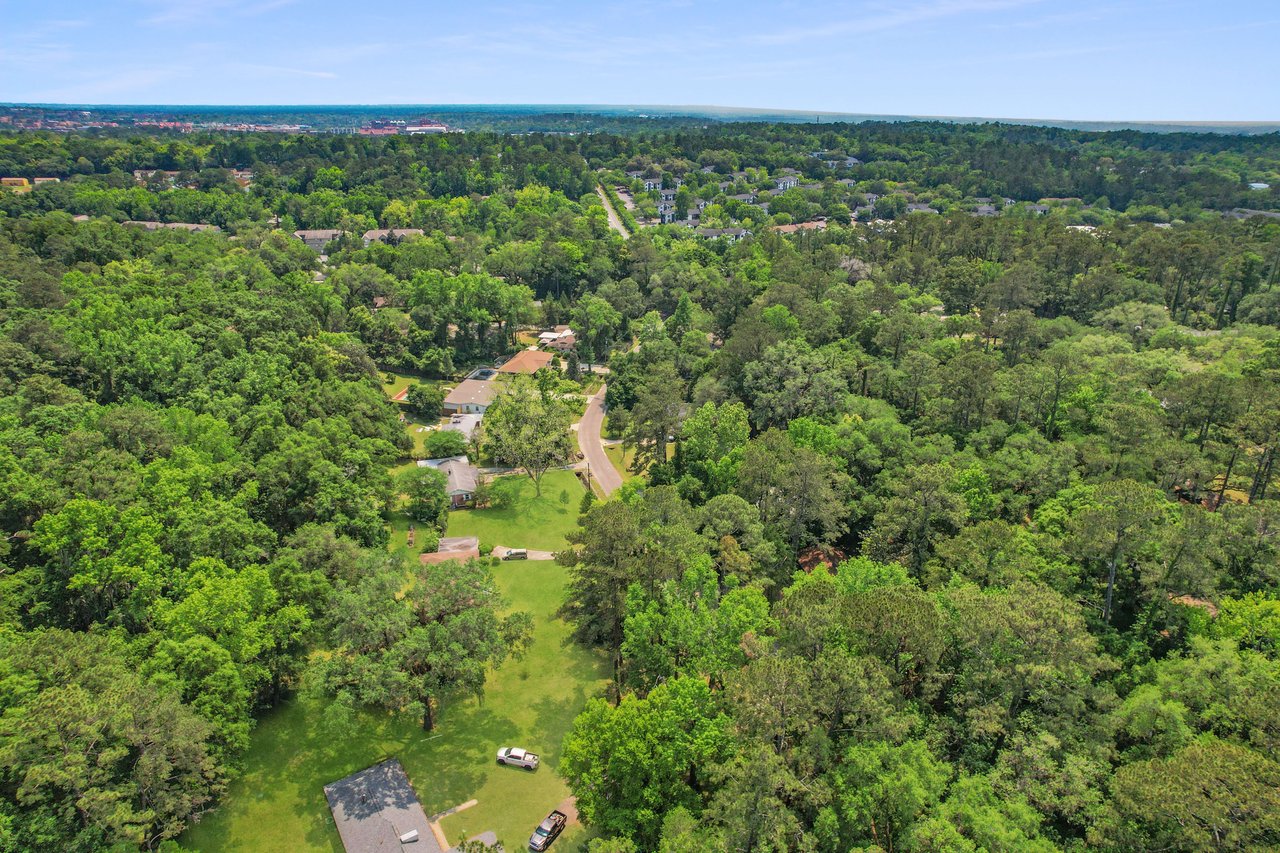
524 520
399 382
399 523
418 429
278 803
412 423
621 460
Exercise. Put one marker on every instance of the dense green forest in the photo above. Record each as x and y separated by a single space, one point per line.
952 533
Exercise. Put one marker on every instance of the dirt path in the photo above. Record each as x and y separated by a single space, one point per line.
592 448
614 221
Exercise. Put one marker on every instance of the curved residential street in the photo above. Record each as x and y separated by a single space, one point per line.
615 222
593 450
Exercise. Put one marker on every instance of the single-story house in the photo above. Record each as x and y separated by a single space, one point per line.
526 361
920 208
179 226
461 477
1248 212
471 395
816 225
317 238
465 424
144 175
390 235
554 335
377 810
731 234
561 339
985 210
461 548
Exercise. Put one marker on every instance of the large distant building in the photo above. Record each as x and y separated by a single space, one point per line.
390 235
317 238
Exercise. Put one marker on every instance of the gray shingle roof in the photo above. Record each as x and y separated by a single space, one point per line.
473 391
374 807
462 475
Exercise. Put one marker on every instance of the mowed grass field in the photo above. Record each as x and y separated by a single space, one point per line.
525 520
278 803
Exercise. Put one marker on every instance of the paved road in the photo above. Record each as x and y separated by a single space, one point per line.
589 442
614 221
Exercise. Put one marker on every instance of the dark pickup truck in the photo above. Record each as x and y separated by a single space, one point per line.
547 831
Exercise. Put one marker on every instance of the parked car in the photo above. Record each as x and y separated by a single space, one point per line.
516 554
551 826
517 757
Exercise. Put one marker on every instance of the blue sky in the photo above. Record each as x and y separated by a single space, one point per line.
1089 59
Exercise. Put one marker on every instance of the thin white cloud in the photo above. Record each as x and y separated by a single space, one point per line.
196 11
297 72
888 17
134 83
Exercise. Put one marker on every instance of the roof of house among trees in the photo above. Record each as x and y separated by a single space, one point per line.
461 473
473 391
527 361
375 807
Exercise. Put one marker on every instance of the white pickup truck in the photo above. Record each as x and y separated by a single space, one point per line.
517 757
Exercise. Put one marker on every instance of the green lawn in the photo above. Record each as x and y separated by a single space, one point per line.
621 460
278 803
412 422
414 428
399 524
525 521
400 381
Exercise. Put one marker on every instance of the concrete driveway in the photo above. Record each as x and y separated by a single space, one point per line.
501 551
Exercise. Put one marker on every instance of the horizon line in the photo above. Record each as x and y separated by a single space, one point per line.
689 109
